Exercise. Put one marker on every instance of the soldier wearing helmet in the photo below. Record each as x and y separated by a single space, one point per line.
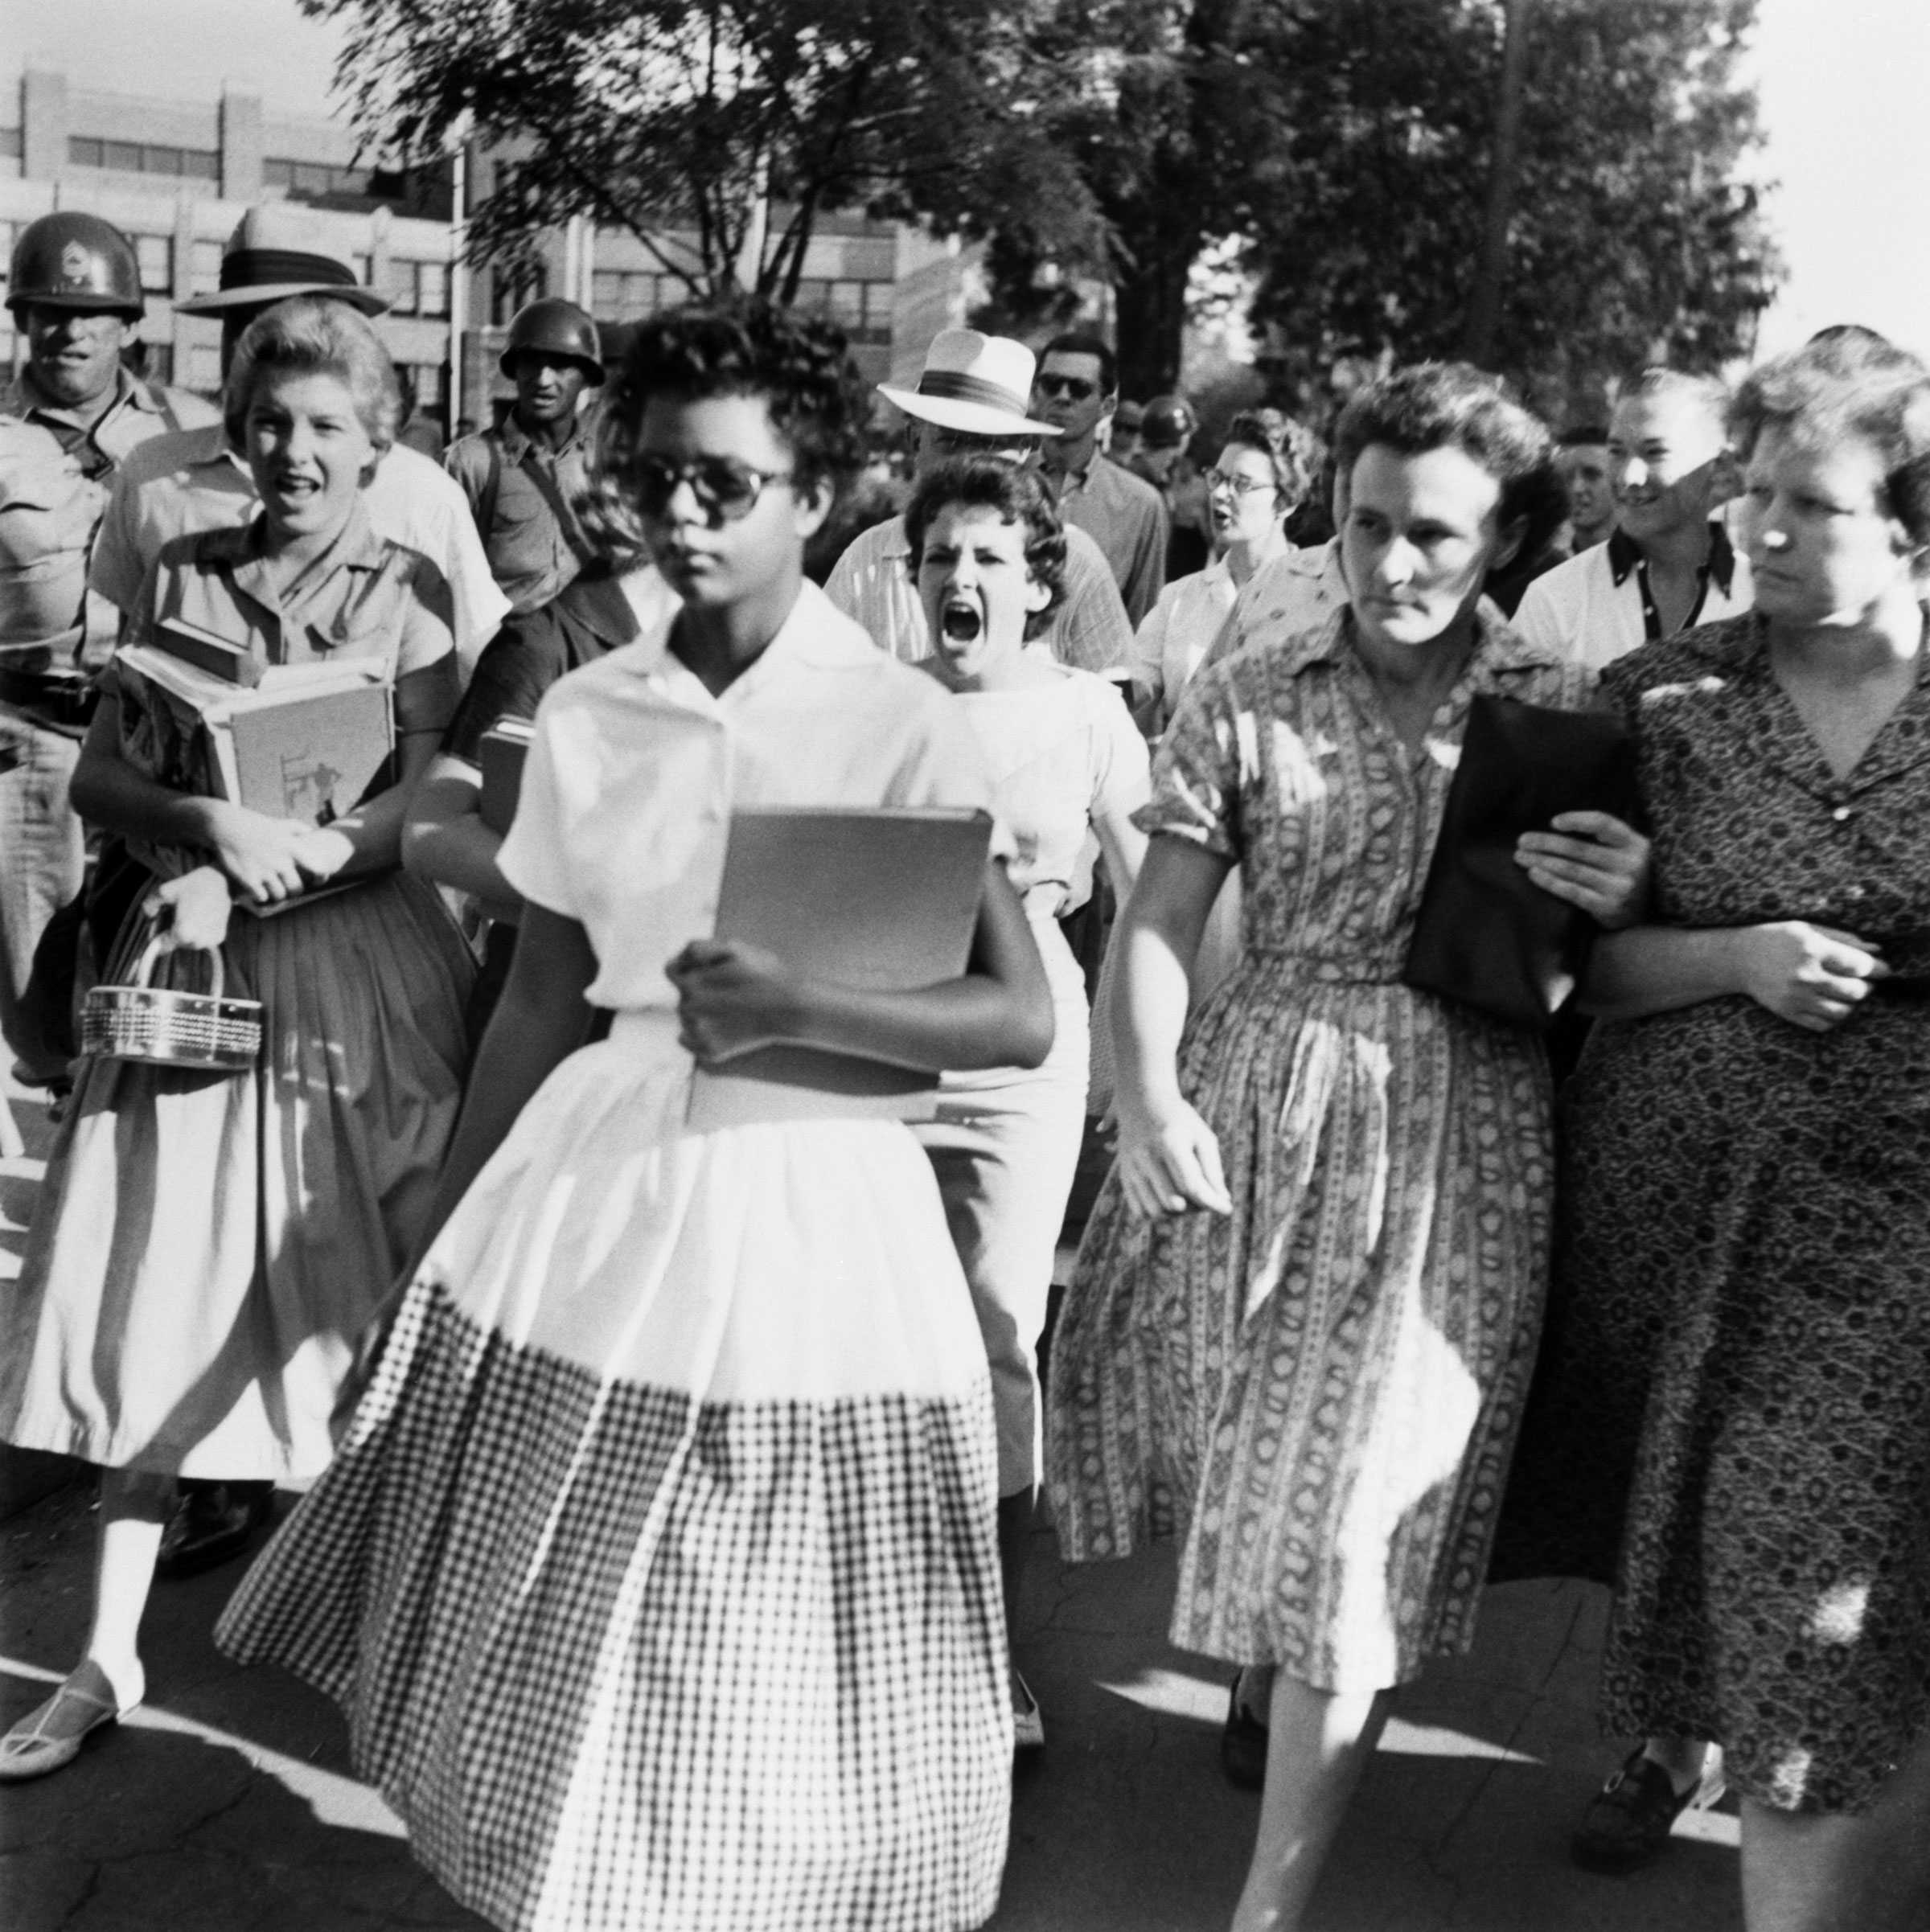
66 425
1165 461
523 478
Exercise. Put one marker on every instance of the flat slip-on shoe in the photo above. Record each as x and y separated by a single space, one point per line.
50 1735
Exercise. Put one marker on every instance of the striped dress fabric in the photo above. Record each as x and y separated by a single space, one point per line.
657 1571
1319 1392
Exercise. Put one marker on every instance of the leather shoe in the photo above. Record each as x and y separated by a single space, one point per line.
1628 1821
211 1523
1243 1743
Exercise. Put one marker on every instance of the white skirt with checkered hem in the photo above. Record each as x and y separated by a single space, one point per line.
657 1571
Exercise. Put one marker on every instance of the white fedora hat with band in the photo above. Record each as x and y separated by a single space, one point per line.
278 251
980 385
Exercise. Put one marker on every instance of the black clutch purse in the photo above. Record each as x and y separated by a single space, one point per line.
1486 935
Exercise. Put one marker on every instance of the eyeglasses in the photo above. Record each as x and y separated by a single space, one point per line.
1074 388
1240 485
726 490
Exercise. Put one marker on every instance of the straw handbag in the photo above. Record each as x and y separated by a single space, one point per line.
163 1028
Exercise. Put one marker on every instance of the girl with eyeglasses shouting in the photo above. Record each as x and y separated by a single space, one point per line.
657 1571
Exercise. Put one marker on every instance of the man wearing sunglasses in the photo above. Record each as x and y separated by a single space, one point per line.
1076 389
970 400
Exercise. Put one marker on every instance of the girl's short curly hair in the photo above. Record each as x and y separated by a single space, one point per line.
314 335
799 365
1843 387
1456 406
981 483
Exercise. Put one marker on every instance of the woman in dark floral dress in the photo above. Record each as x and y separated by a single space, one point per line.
1747 1198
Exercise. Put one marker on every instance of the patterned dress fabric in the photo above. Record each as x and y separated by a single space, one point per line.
657 1572
1320 1392
209 1247
1745 1252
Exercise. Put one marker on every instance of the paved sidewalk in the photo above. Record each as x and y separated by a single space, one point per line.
226 1804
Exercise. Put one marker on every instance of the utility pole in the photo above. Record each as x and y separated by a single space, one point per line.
1491 273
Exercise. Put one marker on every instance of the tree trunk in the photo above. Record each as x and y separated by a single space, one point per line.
1483 317
1150 300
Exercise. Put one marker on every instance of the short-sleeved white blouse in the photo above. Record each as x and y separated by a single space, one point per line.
635 769
1058 753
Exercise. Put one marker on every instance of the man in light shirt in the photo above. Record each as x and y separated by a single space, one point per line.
970 400
1668 564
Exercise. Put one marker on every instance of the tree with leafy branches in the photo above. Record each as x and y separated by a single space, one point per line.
1352 147
718 133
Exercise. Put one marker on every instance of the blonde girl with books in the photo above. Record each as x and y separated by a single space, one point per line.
209 1246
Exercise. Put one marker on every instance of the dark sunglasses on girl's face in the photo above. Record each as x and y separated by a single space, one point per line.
1074 388
726 489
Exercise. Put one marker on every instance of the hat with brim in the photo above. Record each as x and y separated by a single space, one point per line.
274 254
979 385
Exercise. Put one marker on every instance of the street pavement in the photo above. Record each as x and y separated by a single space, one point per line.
226 1803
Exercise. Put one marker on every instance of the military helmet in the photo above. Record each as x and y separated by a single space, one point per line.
70 261
555 327
1168 423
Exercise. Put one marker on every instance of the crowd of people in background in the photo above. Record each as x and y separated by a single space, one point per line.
667 1490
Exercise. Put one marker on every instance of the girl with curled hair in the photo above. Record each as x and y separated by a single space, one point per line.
1304 1315
988 555
1744 1234
209 1249
657 1572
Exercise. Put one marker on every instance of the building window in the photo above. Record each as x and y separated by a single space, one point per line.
622 295
12 144
204 367
137 158
861 308
510 290
420 288
204 266
156 256
308 180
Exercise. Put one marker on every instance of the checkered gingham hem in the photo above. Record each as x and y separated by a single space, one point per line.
619 1659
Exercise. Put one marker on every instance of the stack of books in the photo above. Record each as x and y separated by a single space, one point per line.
200 714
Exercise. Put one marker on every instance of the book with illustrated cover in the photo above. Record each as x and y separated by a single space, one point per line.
500 754
306 742
884 899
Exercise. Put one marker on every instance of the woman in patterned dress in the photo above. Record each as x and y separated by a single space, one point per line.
988 551
1305 1308
207 1247
1745 1231
657 1571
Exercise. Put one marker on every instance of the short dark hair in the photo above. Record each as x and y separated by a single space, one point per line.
1828 391
982 483
797 364
1290 446
1079 342
1583 436
1456 406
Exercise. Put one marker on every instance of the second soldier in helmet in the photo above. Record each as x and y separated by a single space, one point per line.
523 476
